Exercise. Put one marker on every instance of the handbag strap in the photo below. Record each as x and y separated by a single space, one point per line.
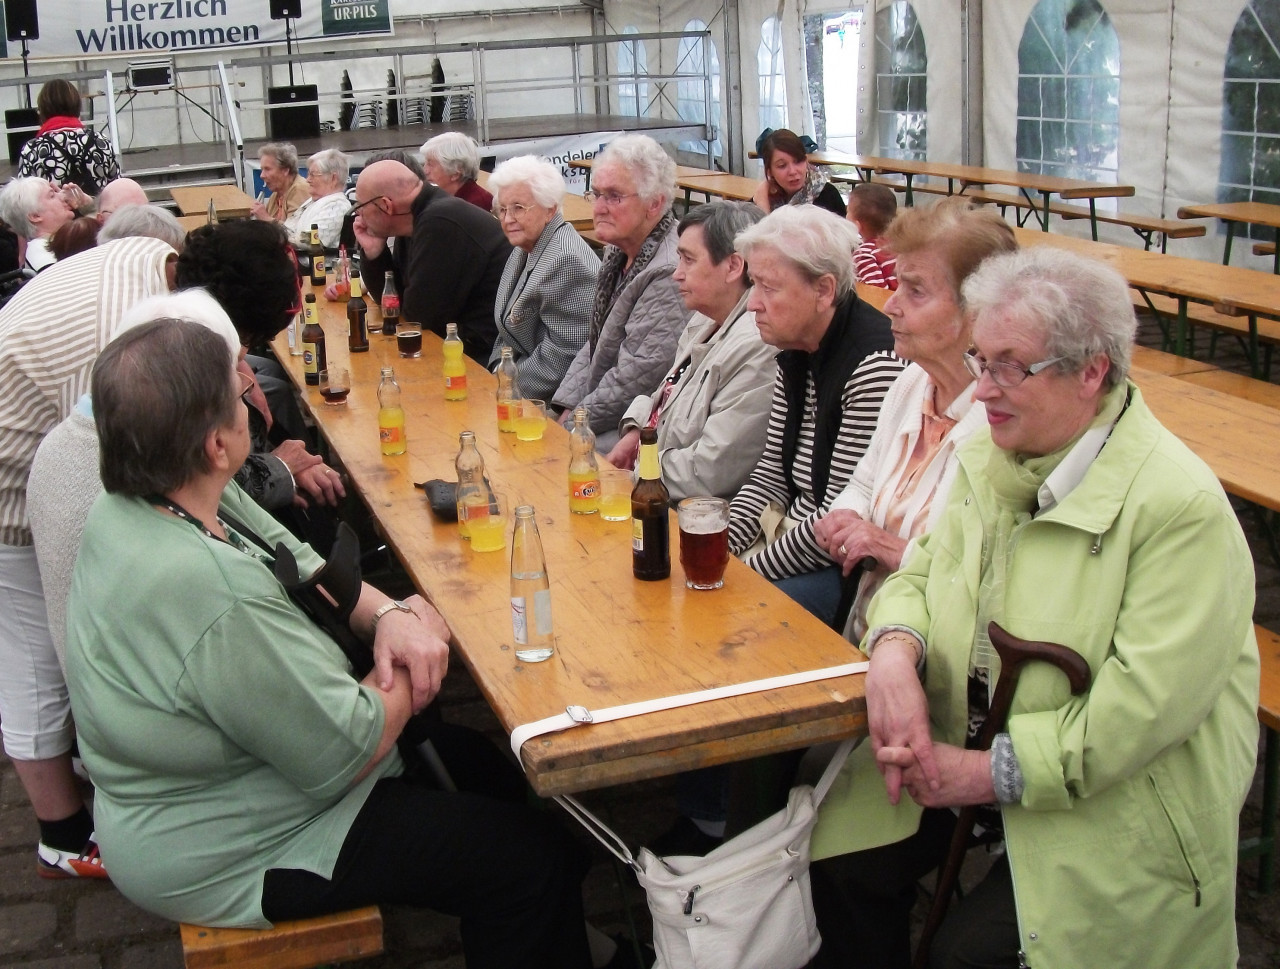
576 716
614 844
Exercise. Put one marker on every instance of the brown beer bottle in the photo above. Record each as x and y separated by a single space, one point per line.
317 257
650 515
357 318
313 353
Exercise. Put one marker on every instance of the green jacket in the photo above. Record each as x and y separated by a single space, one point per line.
1123 848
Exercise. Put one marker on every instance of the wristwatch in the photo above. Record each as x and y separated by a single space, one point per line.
386 607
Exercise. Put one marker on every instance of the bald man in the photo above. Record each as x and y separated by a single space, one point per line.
116 195
454 259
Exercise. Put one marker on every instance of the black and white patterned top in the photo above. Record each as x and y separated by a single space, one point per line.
77 156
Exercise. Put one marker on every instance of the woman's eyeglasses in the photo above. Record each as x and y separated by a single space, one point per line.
610 199
1005 375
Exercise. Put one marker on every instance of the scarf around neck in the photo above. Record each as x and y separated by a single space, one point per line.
611 280
1014 481
57 123
815 180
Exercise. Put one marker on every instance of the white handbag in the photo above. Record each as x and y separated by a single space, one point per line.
745 905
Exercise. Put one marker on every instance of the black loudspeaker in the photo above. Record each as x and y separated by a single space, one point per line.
20 118
279 9
20 19
293 120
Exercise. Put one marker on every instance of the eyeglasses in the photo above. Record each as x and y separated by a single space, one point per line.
1005 375
355 209
610 199
515 210
246 386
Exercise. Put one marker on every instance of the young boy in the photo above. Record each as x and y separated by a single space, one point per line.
871 208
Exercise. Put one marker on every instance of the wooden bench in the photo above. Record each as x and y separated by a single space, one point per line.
1263 847
1236 384
303 944
1168 364
1146 226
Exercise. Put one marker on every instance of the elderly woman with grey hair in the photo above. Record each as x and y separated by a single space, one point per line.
278 163
328 205
543 304
637 315
35 208
836 365
1077 519
452 163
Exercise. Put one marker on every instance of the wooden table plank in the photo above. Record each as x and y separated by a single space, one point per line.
1237 438
1235 213
618 639
1168 364
229 200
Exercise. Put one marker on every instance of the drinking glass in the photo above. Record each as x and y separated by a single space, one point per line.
531 420
335 384
487 519
409 342
615 495
704 541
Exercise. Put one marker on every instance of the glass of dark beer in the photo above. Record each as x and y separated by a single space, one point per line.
409 342
335 384
704 541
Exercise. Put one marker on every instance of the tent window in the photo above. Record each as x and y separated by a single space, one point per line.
773 83
633 94
690 60
1069 92
901 106
1250 166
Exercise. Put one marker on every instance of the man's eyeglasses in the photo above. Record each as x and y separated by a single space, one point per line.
246 386
296 308
610 199
1005 375
355 209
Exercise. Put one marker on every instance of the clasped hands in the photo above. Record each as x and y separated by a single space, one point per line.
848 538
418 644
934 775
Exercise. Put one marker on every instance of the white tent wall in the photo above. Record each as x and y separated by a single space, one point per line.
940 23
1172 57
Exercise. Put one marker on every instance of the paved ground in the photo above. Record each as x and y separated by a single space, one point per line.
64 925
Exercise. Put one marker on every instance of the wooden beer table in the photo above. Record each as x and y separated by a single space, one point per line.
229 200
1238 213
1228 289
618 640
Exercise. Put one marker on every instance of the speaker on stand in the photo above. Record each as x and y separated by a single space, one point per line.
22 22
286 10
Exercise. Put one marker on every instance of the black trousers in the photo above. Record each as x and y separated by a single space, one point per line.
511 874
863 904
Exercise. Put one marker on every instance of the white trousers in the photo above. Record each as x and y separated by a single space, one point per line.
35 710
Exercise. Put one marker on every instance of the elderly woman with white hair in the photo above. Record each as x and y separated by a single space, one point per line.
543 304
452 162
327 205
638 314
1076 519
35 208
836 365
278 165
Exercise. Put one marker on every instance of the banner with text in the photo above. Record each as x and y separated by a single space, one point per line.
146 28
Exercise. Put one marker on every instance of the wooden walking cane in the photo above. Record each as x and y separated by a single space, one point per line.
1013 652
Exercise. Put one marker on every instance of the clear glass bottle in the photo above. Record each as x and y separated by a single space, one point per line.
471 477
342 274
454 367
584 470
212 217
530 592
508 391
390 304
390 415
650 515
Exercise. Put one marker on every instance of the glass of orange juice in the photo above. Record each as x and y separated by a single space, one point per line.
486 520
531 419
615 495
